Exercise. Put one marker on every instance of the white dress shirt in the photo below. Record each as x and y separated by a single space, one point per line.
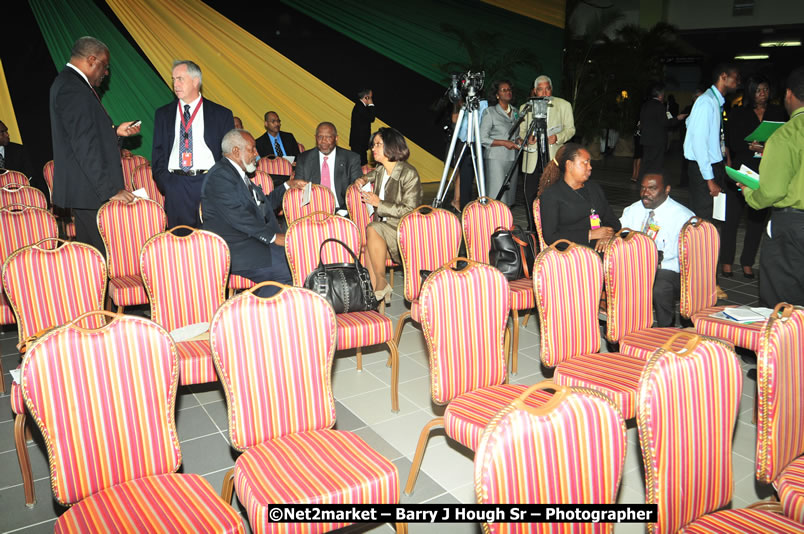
202 155
669 216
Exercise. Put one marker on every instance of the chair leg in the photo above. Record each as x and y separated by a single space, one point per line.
394 376
506 346
24 459
2 379
359 354
120 309
515 342
401 528
391 282
109 306
417 458
399 326
228 486
525 321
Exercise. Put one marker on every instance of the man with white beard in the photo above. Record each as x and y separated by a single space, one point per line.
237 210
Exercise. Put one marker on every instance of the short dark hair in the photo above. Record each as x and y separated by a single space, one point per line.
655 174
88 46
570 153
362 93
795 82
394 146
754 82
495 88
325 123
722 68
265 117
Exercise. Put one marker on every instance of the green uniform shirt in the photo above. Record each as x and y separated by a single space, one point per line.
781 172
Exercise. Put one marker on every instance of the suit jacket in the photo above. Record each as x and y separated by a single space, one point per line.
265 148
218 120
230 211
17 159
653 123
560 113
495 124
403 193
347 170
360 129
86 153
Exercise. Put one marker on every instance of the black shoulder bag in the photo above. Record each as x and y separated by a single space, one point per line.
346 286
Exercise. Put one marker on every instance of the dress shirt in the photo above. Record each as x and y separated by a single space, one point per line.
84 76
463 129
702 143
247 182
670 217
2 152
331 165
202 156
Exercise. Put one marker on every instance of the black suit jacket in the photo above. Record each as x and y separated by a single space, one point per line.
654 123
265 148
17 159
86 153
360 130
229 210
346 171
218 120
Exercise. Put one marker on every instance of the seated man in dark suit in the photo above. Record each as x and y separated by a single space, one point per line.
274 143
330 166
237 210
13 155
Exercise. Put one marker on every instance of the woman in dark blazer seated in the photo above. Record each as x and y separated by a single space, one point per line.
397 192
574 208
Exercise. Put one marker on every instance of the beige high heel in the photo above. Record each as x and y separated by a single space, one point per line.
384 294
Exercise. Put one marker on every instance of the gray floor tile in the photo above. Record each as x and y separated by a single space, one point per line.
346 419
194 422
16 515
211 392
206 454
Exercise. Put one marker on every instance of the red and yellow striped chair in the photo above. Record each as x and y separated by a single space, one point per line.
367 168
22 195
688 403
8 177
428 238
780 432
355 329
571 450
143 178
281 410
278 166
567 284
301 147
48 287
360 216
481 218
125 228
47 172
321 199
537 222
185 277
129 165
464 315
113 455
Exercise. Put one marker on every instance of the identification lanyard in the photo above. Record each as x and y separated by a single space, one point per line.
185 127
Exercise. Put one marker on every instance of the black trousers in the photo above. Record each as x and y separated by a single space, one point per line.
467 172
754 227
666 290
278 271
700 199
182 198
86 229
652 160
782 260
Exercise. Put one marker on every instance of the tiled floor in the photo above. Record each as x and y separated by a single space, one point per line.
363 406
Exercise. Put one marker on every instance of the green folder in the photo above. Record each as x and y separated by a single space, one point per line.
763 131
746 180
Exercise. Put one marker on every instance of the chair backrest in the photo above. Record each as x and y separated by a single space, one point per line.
185 276
537 222
687 406
780 381
22 195
277 380
629 267
129 165
301 147
698 249
143 178
481 218
21 226
321 199
105 402
365 169
568 451
304 238
263 179
8 177
48 287
275 166
428 238
358 212
464 314
47 172
125 228
567 284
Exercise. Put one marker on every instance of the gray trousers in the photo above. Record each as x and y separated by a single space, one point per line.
496 170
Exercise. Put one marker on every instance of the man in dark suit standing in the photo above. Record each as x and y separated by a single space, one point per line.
655 120
274 143
362 116
187 143
13 155
330 166
86 151
239 212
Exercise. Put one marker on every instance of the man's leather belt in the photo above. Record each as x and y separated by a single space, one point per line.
788 210
187 173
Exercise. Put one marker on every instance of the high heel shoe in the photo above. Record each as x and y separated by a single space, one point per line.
384 294
748 274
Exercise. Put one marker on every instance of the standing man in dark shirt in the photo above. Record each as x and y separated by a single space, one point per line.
363 115
273 143
655 120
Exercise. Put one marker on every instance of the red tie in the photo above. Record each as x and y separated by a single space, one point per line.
325 180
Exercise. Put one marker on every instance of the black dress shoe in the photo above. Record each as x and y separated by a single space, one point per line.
727 274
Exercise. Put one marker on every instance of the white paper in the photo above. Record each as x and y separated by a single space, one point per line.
306 194
764 312
719 207
555 130
369 208
15 375
749 171
290 159
743 314
141 193
189 332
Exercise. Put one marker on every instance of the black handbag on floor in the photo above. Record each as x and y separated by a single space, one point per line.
513 251
346 286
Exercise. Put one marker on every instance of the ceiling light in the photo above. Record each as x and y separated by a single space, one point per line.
768 44
752 56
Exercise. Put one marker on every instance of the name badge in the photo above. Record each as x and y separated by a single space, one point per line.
187 159
594 221
653 231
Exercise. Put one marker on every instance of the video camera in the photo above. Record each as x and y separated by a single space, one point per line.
467 84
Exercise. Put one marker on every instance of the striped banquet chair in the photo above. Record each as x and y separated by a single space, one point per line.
47 173
185 277
367 168
301 147
688 405
48 287
481 218
780 422
125 228
464 314
567 284
359 215
278 166
115 463
281 411
22 195
355 329
537 222
571 450
321 199
130 164
143 178
8 177
428 239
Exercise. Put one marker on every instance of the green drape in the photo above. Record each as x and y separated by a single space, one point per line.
132 90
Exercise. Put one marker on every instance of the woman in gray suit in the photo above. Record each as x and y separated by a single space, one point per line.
500 150
397 192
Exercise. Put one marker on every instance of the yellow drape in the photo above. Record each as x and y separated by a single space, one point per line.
243 73
7 109
549 11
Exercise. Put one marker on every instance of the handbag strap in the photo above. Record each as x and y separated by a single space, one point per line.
341 243
522 246
362 273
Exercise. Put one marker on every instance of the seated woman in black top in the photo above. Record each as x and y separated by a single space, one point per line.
574 208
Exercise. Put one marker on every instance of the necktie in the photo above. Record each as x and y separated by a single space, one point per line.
650 220
325 179
278 148
2 161
186 142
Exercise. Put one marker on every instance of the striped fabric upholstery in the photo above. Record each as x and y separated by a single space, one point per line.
125 228
571 450
47 173
790 486
359 215
748 336
129 165
8 177
321 199
275 166
22 195
629 268
363 329
698 248
367 168
237 282
479 222
537 219
521 294
687 408
643 343
743 521
263 179
142 177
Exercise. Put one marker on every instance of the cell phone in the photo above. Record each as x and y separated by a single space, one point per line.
135 124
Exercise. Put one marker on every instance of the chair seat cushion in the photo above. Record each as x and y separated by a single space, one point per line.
162 503
238 282
790 485
743 335
612 373
319 467
127 291
643 343
195 362
361 329
468 415
744 520
521 294
391 263
6 312
17 402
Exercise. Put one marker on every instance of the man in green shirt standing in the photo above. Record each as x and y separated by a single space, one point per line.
782 186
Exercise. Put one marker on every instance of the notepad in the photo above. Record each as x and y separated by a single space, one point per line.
763 131
306 192
191 332
746 314
141 193
745 176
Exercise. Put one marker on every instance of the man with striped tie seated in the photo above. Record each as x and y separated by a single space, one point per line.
661 218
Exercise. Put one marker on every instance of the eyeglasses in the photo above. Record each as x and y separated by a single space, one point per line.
378 143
